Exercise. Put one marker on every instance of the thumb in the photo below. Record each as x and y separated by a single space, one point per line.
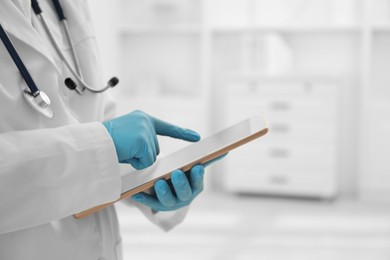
167 129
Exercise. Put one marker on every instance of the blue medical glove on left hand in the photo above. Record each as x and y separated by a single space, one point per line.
179 192
185 187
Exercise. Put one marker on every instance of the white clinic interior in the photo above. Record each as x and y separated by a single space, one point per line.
318 185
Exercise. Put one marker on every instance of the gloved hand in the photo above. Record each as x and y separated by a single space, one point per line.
135 137
176 193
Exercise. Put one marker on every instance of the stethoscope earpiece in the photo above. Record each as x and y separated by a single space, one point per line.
73 86
113 82
70 84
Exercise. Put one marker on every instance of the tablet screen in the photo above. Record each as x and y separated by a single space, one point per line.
196 152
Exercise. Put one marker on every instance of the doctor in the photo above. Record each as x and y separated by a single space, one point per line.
57 164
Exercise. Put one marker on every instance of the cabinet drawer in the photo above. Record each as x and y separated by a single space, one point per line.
279 104
300 134
284 157
283 107
300 129
298 156
283 110
319 184
305 94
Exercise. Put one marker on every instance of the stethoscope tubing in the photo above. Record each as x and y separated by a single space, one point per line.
76 73
18 62
59 10
72 50
67 63
64 22
36 98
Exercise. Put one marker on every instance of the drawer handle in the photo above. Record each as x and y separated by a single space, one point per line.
279 179
280 106
279 153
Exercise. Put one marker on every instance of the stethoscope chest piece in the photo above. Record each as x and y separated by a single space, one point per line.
40 103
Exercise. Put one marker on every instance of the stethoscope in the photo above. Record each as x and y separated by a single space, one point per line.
35 97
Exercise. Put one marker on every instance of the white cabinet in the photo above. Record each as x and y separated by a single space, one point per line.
298 156
177 58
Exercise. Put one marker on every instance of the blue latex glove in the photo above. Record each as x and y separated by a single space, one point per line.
135 137
176 193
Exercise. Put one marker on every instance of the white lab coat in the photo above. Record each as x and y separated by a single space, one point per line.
53 168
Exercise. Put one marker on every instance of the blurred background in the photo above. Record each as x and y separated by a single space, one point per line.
316 187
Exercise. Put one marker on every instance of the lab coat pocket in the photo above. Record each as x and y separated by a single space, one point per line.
82 32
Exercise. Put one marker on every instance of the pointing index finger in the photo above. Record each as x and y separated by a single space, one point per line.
166 129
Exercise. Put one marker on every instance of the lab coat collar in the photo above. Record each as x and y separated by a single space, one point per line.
15 22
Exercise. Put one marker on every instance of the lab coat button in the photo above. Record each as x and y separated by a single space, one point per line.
102 258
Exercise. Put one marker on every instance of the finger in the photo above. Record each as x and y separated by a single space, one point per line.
166 129
136 163
147 200
196 179
142 162
215 160
181 186
152 146
156 144
164 193
154 134
143 159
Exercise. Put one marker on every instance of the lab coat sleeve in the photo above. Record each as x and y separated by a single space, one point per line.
165 220
110 107
49 174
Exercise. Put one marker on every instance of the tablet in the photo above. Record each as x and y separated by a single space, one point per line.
184 159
